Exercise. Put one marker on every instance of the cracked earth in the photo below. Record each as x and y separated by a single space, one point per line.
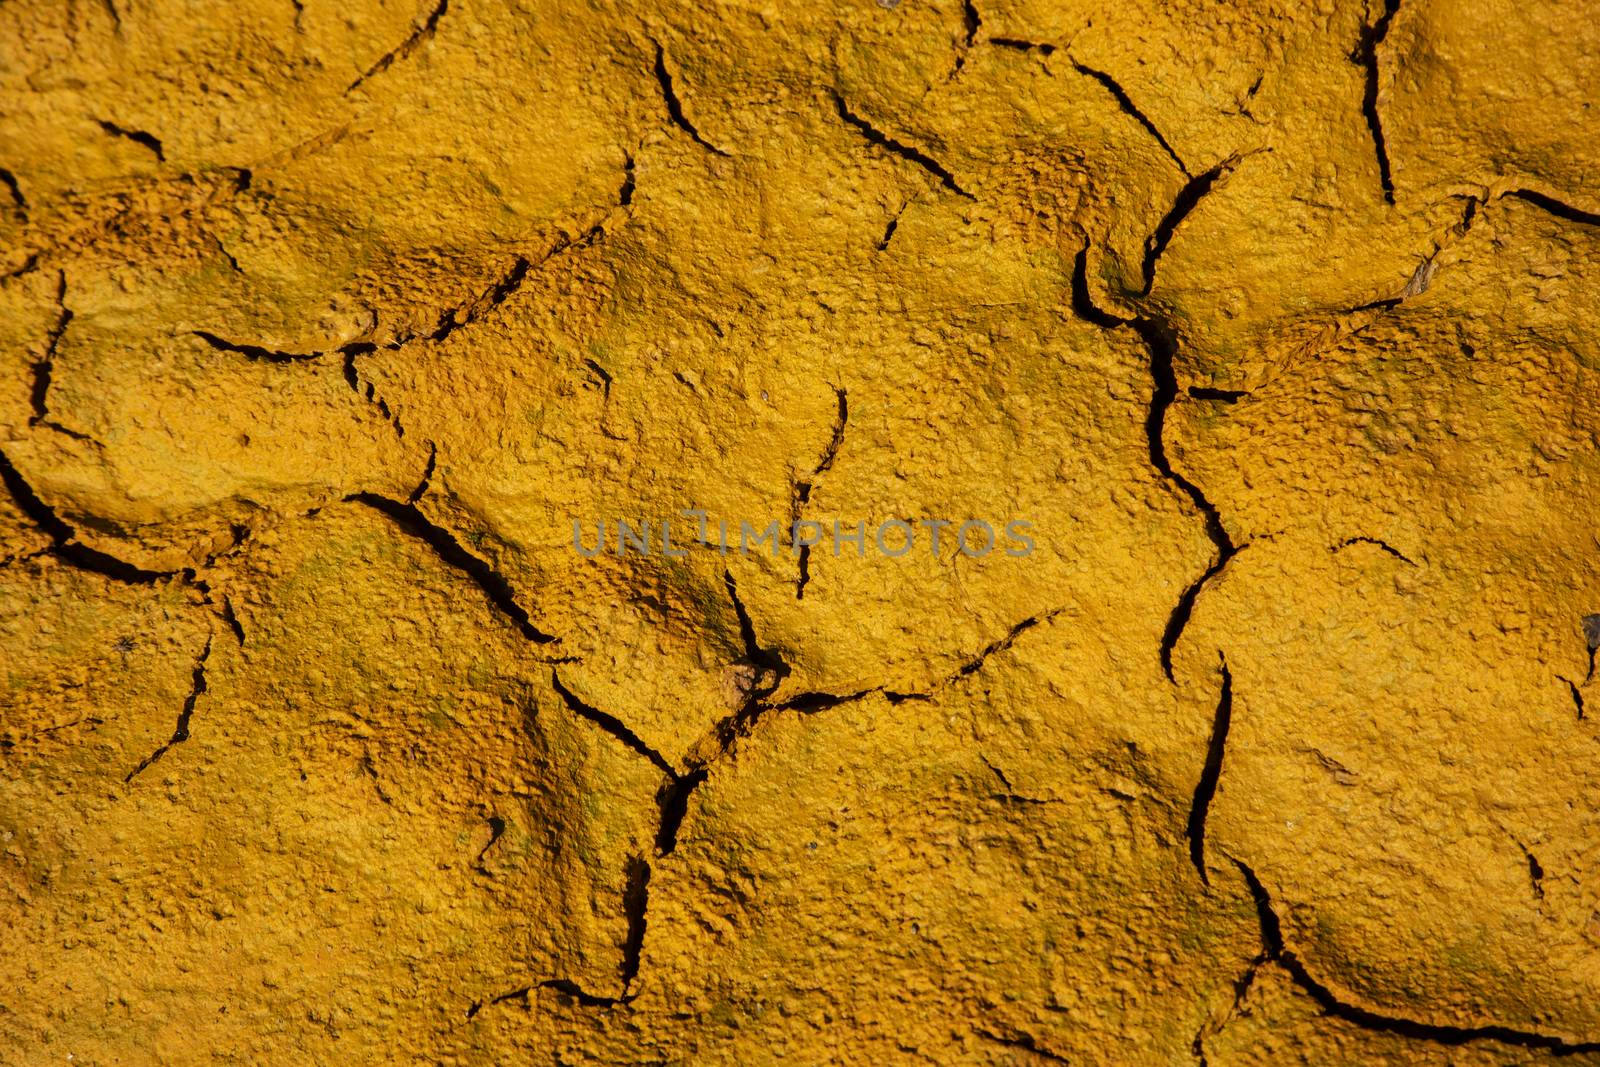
320 741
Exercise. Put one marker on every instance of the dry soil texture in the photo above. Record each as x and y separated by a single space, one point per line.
322 322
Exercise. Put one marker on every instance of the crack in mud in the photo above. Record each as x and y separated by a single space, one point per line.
1365 55
230 617
1225 396
44 368
450 319
674 105
1021 1040
1018 44
970 22
139 137
672 804
65 545
421 490
1178 619
802 489
768 672
636 906
419 36
255 353
1558 208
1125 102
1277 951
611 725
1211 774
889 230
1383 546
672 799
19 203
497 830
897 148
180 733
1189 197
410 519
1161 342
1213 1027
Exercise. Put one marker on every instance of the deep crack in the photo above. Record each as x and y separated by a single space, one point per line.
1178 619
18 202
672 802
63 537
1205 789
44 369
1225 396
1577 695
1193 191
675 106
447 548
1125 102
1162 343
139 137
1556 207
636 906
255 352
611 725
1017 44
1366 56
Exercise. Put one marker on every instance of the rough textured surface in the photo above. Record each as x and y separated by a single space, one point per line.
321 323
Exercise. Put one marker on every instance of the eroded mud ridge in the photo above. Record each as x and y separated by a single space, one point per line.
323 323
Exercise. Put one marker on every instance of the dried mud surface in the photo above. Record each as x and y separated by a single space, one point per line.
320 323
